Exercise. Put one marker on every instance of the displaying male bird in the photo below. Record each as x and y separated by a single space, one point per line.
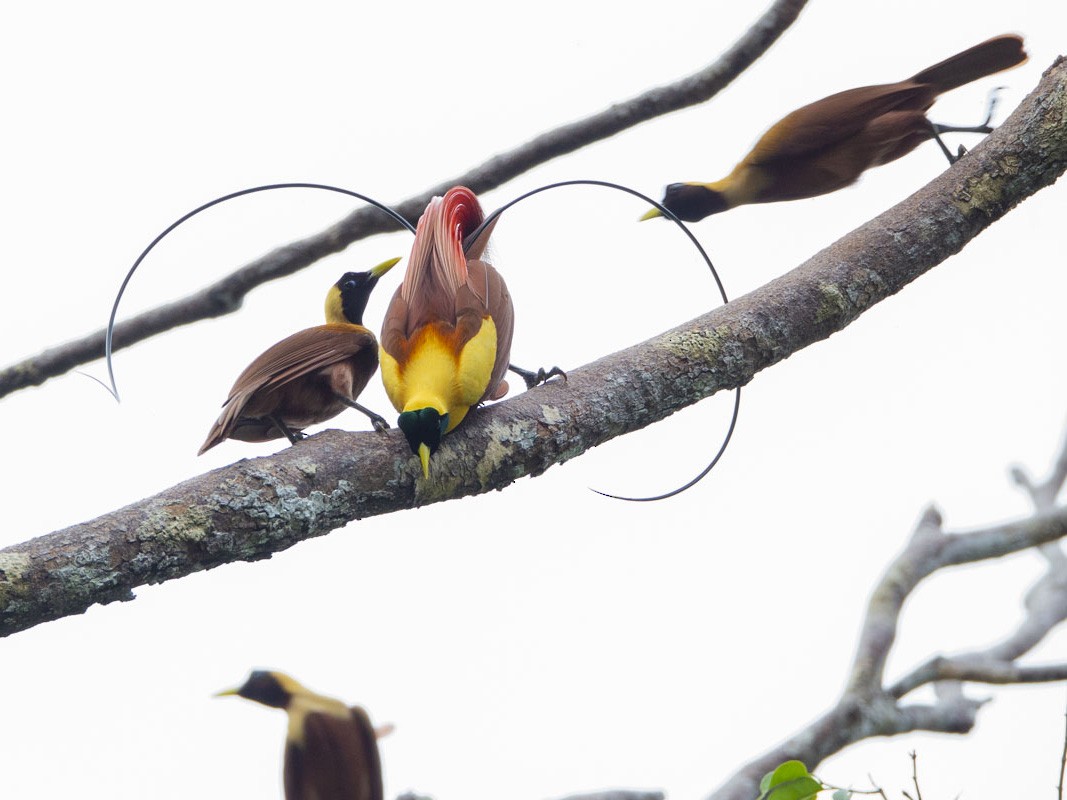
827 145
331 750
309 377
446 337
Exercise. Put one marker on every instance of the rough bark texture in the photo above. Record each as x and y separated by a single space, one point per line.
227 295
256 507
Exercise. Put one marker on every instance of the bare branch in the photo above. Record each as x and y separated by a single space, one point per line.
253 508
226 295
1044 494
866 709
959 668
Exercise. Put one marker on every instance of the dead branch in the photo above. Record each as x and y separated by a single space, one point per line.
867 709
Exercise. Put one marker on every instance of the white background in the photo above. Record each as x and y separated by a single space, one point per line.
543 640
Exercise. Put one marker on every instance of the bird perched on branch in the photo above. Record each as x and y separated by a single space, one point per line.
309 377
828 144
446 337
331 750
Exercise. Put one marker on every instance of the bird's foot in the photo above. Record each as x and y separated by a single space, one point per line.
377 420
984 127
542 375
286 431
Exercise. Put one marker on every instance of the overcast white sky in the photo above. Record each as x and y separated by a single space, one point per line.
543 640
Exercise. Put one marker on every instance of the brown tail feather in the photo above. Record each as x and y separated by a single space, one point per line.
993 55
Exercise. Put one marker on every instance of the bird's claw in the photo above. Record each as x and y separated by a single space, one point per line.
554 372
532 379
379 424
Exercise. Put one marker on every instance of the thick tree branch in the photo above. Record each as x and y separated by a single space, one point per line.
226 296
253 508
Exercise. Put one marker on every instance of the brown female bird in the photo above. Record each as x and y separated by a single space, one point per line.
827 145
331 750
309 377
446 337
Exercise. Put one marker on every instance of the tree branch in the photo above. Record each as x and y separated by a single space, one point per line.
1046 607
226 295
866 709
257 507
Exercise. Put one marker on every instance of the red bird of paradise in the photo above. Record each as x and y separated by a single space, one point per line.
446 337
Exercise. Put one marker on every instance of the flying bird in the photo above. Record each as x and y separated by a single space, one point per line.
828 144
446 337
331 750
309 377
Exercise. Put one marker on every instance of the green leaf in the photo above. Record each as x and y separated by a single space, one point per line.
842 794
790 770
790 781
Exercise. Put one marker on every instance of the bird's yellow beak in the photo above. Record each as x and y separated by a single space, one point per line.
226 693
384 267
424 457
652 213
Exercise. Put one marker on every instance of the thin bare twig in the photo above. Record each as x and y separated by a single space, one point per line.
877 786
915 774
226 295
1063 762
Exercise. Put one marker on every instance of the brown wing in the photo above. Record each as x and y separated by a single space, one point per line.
833 119
338 760
304 353
488 292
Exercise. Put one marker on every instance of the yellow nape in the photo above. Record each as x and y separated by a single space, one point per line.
435 376
334 310
743 185
302 702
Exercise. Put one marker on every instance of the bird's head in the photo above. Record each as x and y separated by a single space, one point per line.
347 299
274 689
424 428
690 202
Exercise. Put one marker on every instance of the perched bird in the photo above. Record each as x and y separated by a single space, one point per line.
309 377
331 750
446 337
827 145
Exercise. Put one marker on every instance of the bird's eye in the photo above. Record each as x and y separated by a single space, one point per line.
348 286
